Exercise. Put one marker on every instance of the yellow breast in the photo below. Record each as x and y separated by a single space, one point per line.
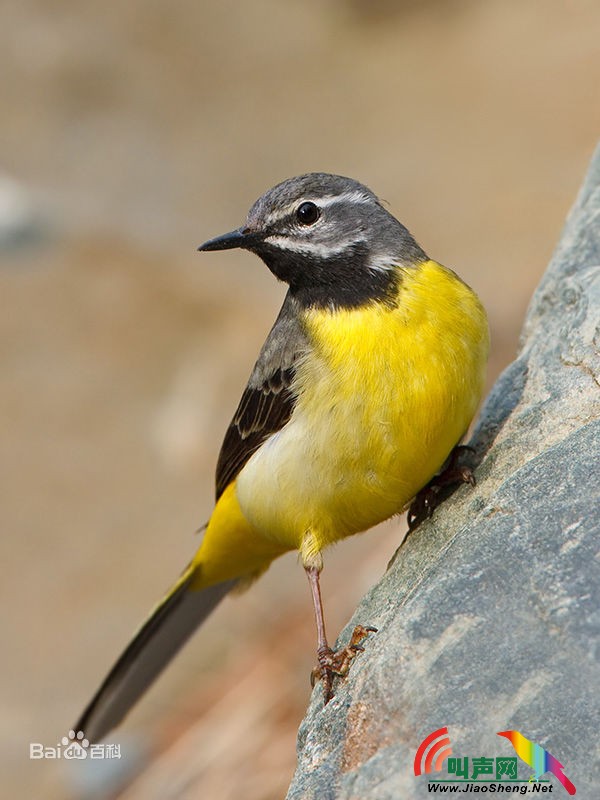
384 396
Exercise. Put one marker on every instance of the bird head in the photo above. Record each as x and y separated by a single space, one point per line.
328 237
514 737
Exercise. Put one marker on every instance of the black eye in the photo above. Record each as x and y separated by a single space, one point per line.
307 213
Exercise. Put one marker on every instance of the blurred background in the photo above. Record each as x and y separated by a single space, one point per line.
130 133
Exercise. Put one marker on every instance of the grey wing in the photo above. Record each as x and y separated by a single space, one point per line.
268 400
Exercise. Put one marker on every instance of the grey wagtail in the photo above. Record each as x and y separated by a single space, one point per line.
368 379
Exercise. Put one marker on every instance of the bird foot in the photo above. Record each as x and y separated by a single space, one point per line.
430 497
337 663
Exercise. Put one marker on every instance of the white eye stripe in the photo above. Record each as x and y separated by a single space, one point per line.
311 248
355 197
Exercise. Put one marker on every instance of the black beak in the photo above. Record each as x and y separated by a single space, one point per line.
242 237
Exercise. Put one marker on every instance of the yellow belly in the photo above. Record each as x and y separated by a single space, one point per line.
383 399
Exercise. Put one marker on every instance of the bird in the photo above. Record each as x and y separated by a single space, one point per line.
369 377
540 760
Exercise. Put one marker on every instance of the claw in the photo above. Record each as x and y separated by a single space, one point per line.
337 663
428 499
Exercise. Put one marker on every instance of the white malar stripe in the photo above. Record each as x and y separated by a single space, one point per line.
310 248
384 262
354 197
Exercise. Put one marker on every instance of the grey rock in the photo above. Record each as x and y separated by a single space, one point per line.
489 615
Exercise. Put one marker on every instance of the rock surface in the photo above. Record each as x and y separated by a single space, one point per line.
489 616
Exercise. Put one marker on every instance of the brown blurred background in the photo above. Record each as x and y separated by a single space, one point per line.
130 133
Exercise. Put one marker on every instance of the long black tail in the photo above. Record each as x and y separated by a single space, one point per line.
152 648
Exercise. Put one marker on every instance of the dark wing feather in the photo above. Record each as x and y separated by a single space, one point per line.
268 400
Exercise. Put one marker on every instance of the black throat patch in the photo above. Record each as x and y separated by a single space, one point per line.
341 280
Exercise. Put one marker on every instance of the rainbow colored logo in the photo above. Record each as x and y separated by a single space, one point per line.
432 752
540 760
487 773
